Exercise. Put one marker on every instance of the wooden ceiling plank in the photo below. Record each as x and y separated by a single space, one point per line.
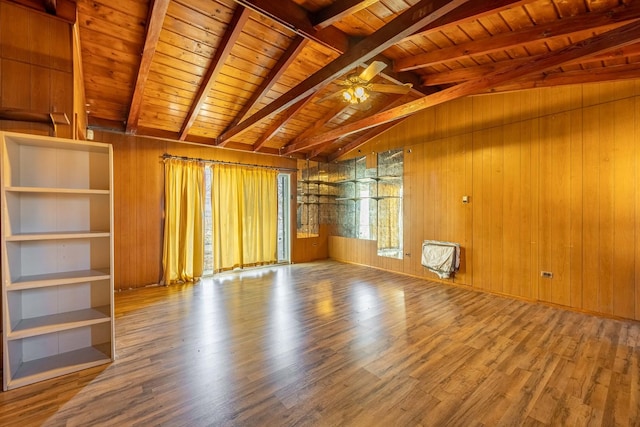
154 27
594 75
338 10
613 39
302 144
363 139
277 125
398 78
297 19
406 23
472 11
240 17
594 21
470 73
274 75
319 124
464 74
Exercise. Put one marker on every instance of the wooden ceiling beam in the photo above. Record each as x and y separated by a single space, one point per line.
363 139
338 10
621 36
372 133
465 74
302 144
276 72
154 27
399 78
474 10
593 75
234 29
319 124
297 19
417 16
278 124
593 21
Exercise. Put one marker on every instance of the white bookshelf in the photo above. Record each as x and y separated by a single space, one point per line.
57 257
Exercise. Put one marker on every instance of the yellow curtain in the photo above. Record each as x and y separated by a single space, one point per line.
244 205
183 250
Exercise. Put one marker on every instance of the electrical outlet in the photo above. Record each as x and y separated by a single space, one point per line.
546 274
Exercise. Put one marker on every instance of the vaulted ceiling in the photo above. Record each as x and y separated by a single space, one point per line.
259 74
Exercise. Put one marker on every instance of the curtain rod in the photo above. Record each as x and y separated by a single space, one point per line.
166 156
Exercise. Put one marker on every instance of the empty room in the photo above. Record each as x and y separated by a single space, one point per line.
320 212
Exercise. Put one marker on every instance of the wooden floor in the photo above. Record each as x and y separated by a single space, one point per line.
329 344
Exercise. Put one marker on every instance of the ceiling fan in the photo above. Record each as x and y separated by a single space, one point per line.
357 87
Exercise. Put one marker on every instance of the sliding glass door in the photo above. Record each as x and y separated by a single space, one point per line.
284 222
284 218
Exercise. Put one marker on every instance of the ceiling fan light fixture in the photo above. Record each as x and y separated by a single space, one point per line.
355 94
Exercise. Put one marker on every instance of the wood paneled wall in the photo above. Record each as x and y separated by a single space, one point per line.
138 199
36 66
554 185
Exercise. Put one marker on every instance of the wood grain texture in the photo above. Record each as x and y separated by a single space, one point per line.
36 68
553 188
478 40
138 202
334 344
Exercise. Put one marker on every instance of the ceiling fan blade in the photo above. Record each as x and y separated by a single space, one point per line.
399 89
372 70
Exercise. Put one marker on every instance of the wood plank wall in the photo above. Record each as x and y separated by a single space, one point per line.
37 73
36 67
553 179
139 194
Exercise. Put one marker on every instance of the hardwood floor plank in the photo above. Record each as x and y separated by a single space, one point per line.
330 344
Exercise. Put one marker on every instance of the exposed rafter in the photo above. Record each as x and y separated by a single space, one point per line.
337 11
363 139
594 75
290 15
415 17
277 125
473 10
319 124
276 72
239 19
399 78
471 73
621 36
594 21
303 144
253 101
370 134
154 27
